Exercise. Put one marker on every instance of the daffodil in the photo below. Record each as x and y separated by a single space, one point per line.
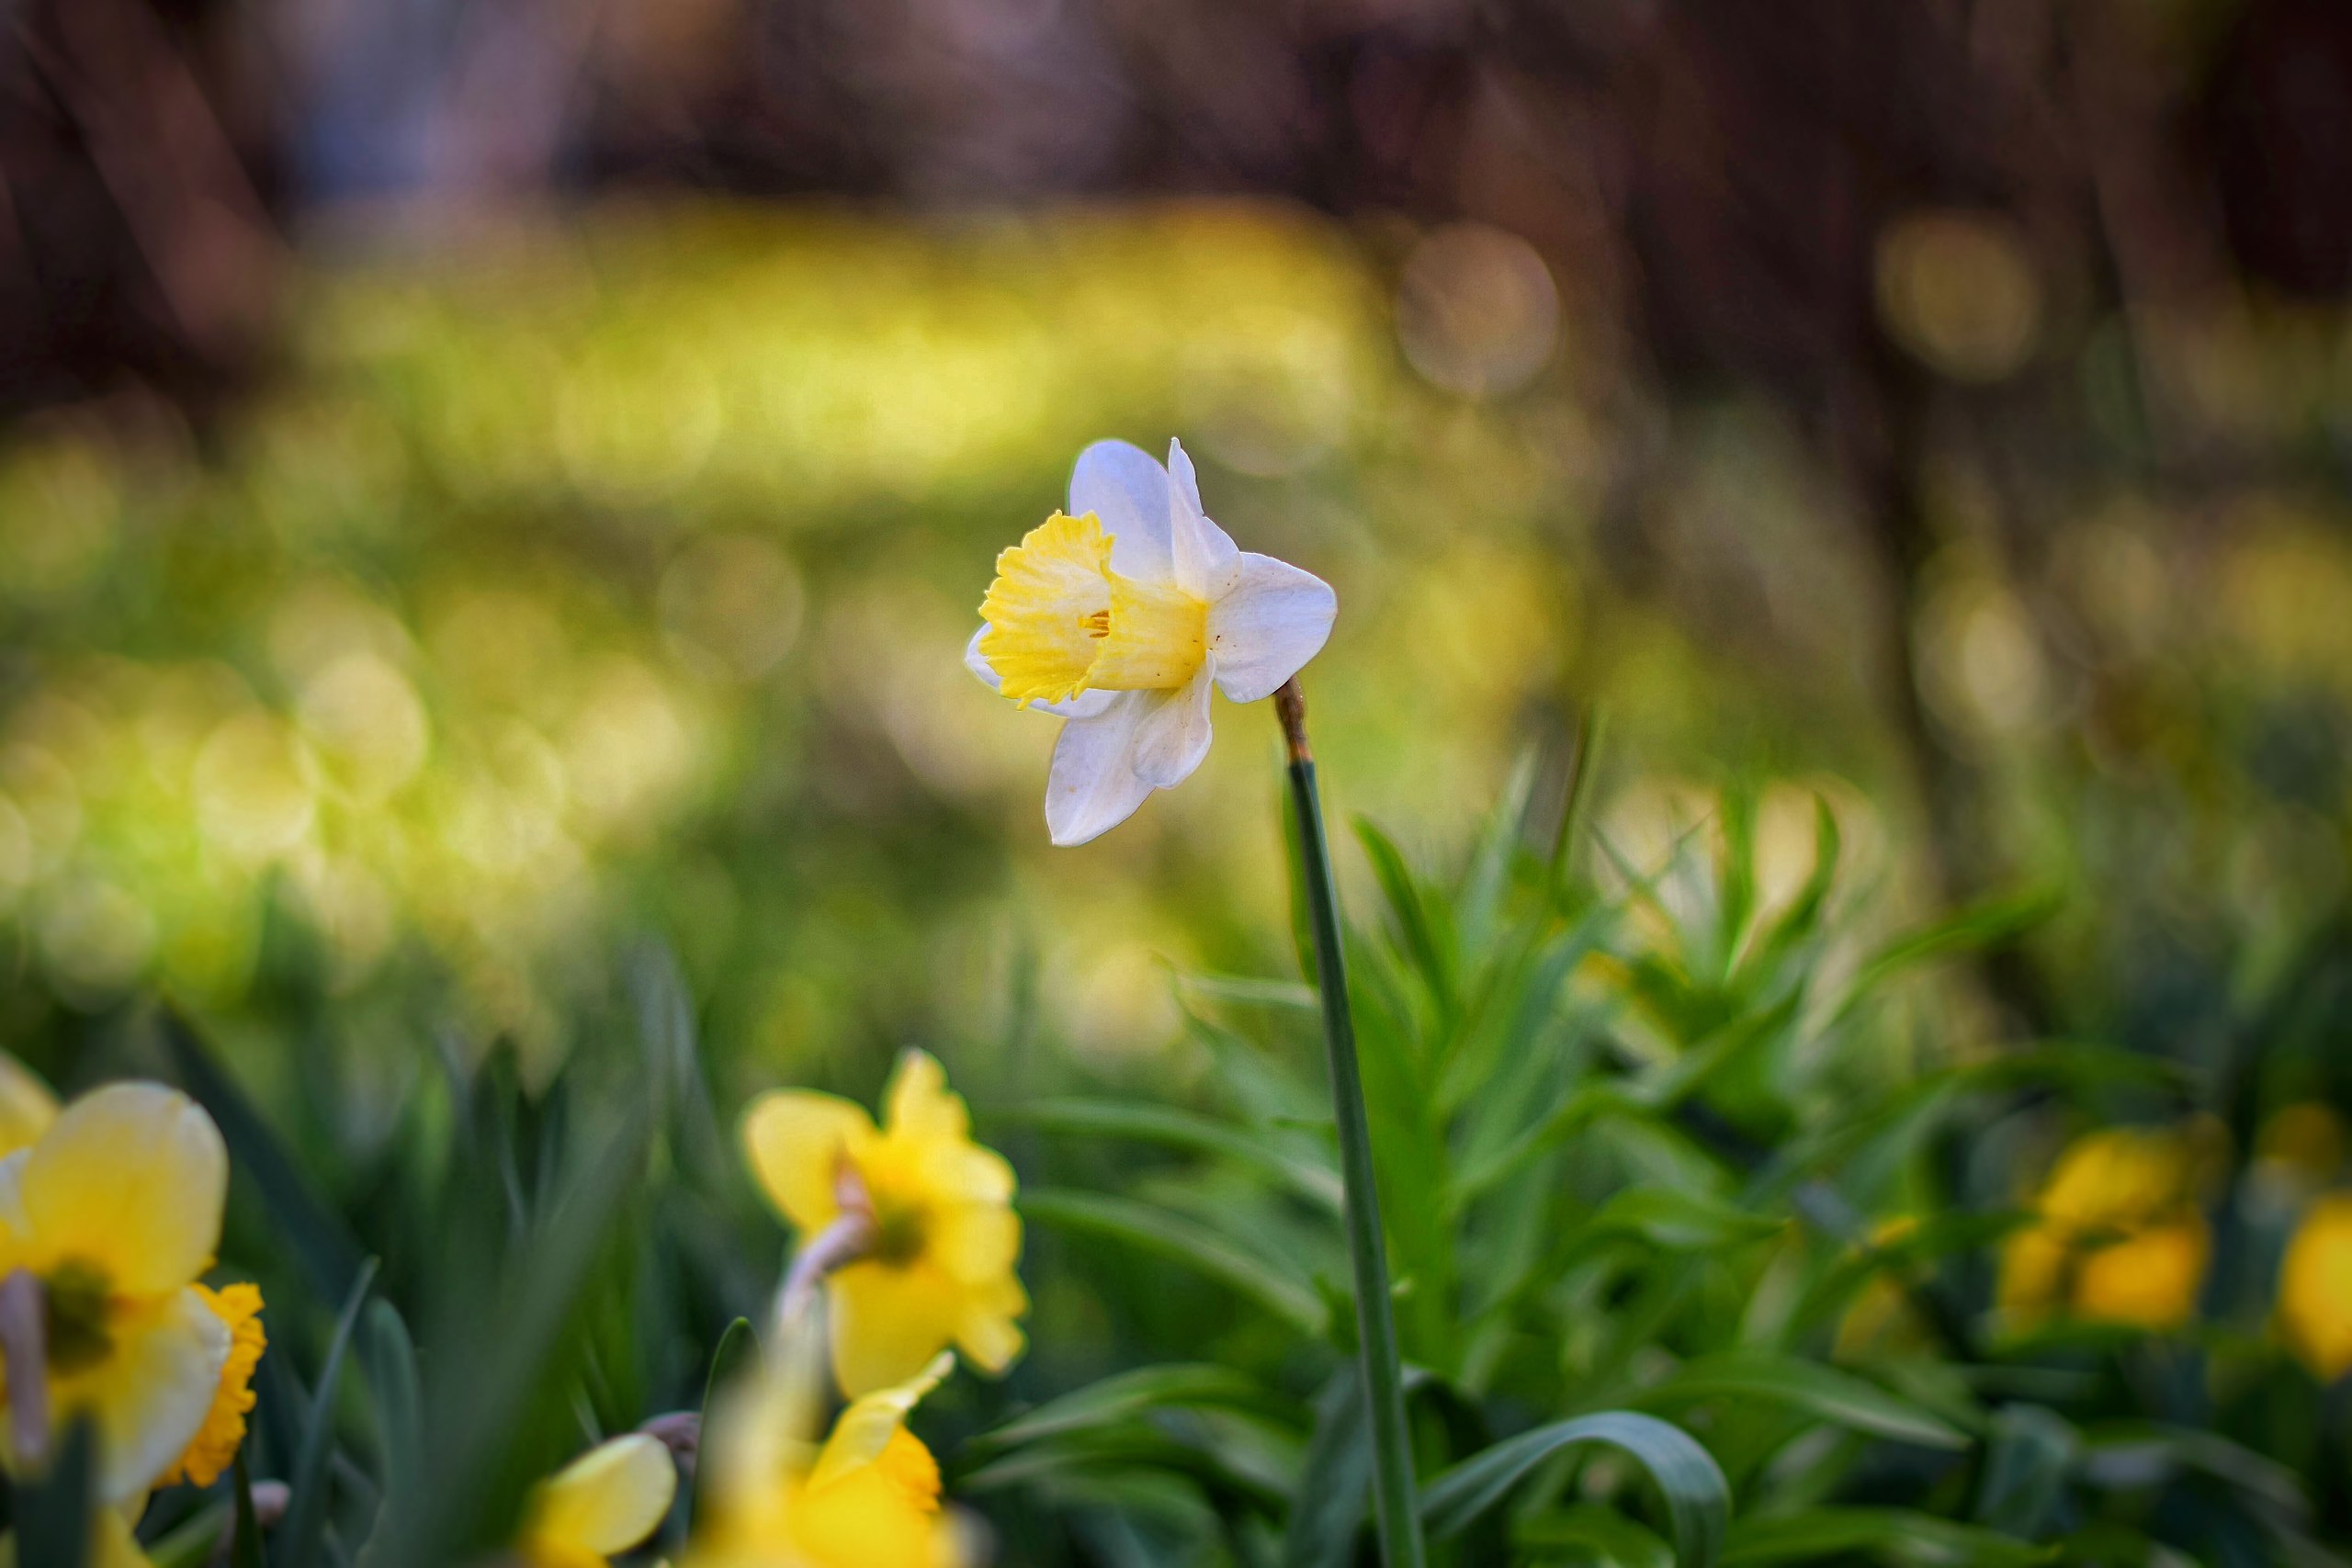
600 1504
868 1498
1120 614
2118 1235
932 1211
106 1221
2315 1288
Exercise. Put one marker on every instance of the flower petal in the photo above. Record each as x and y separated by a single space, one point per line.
975 1242
1271 621
1093 787
606 1500
1128 492
864 1429
795 1139
989 1331
1203 554
150 1393
917 1103
1173 734
1083 706
888 1323
129 1179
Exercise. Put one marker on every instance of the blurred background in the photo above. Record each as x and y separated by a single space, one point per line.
487 484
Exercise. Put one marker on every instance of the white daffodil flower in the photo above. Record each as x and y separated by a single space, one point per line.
1120 614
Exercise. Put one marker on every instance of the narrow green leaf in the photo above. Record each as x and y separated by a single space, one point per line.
244 1547
53 1514
1895 1536
1172 1128
194 1540
1184 1241
2026 1462
306 1509
1123 1396
1245 991
1419 923
1676 1220
1838 1397
735 1359
1985 924
1332 1504
317 1241
1698 1500
388 1357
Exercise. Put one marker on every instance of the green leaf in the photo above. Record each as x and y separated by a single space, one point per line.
1984 924
2026 1462
1333 1500
733 1359
320 1245
388 1357
53 1513
1697 1501
306 1507
193 1541
1838 1397
244 1547
1169 1236
1183 1130
1420 922
1602 1534
1243 990
1895 1536
1675 1220
1123 1396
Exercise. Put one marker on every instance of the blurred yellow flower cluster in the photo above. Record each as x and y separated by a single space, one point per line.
2119 1234
908 1239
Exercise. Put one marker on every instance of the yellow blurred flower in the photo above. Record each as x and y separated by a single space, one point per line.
600 1504
936 1265
112 1213
2315 1288
2119 1235
869 1498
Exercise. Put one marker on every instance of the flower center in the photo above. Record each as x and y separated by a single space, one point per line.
74 1299
1061 622
899 1233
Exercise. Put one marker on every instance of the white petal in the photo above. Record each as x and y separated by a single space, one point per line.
1268 623
1203 554
1173 734
151 1391
1123 486
1093 787
1083 706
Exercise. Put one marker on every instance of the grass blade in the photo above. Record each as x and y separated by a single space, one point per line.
1698 1500
306 1509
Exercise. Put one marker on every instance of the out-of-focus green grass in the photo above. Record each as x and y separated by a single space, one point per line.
581 578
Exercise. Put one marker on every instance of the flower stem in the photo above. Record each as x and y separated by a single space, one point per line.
1397 1511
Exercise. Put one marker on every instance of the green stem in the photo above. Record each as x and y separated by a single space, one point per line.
1392 1451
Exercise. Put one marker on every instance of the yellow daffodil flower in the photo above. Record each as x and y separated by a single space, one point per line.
1120 614
112 1213
2119 1235
936 1266
600 1504
869 1498
2315 1288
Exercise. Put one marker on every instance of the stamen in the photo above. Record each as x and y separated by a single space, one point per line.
1097 625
